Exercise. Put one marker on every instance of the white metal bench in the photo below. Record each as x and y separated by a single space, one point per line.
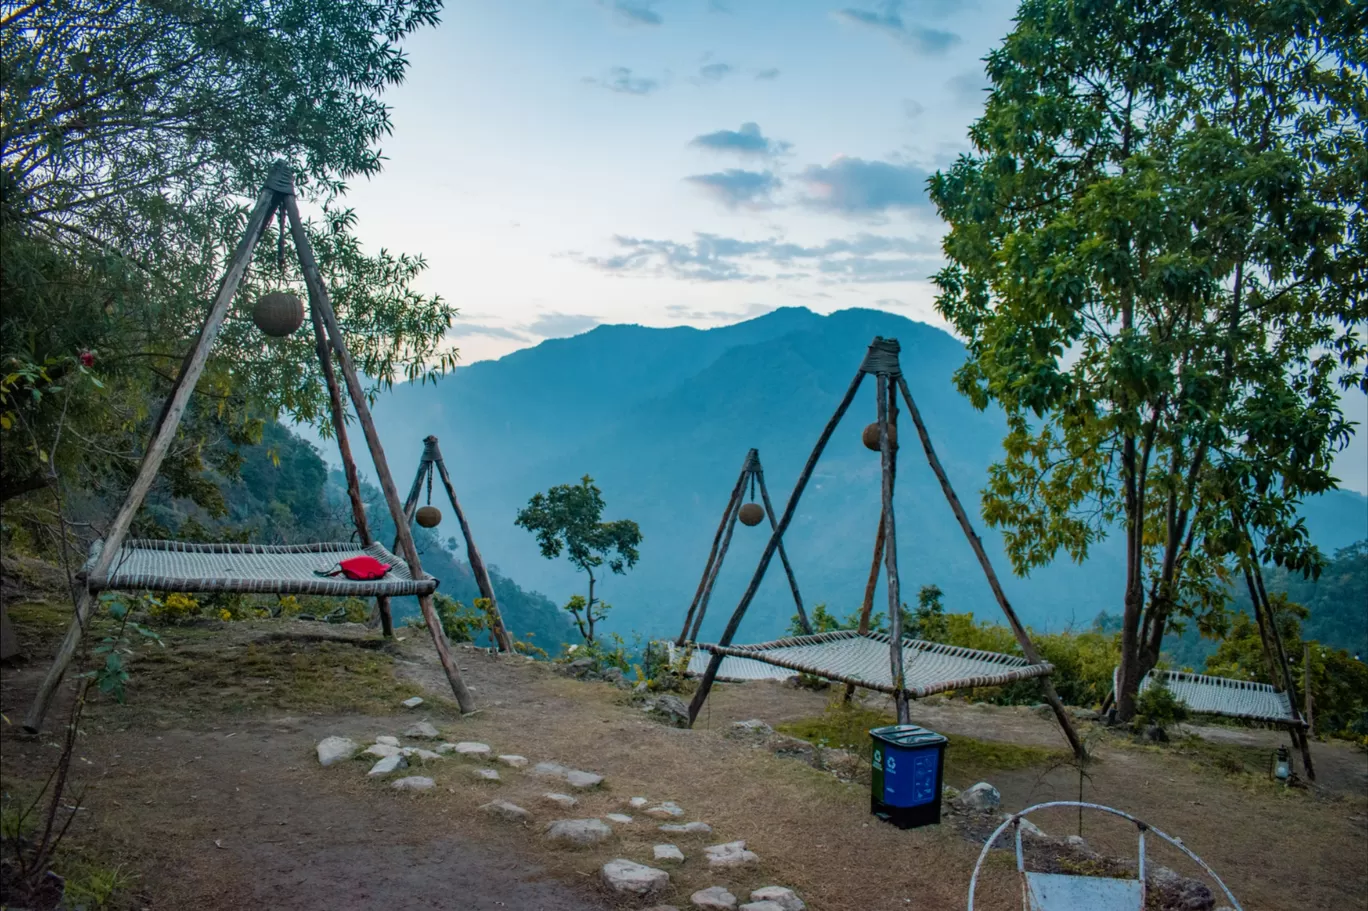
1068 892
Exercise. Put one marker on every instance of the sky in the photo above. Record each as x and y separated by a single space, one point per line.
565 163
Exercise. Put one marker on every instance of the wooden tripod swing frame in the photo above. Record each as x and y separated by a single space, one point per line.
881 361
431 463
276 195
752 473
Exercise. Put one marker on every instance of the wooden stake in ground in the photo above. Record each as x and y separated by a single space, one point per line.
339 421
477 565
704 685
191 369
888 460
1023 639
1306 688
732 502
754 474
319 292
867 605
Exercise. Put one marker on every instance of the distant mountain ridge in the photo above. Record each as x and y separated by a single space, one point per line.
662 419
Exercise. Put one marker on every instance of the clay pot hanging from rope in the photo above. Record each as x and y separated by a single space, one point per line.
278 313
751 514
428 516
871 436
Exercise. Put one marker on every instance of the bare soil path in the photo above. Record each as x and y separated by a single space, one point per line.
206 784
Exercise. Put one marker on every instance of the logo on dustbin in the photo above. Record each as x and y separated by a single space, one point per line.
892 763
878 760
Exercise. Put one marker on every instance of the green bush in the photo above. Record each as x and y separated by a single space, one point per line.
1158 706
460 623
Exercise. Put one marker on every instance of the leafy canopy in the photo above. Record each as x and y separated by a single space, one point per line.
132 138
1158 256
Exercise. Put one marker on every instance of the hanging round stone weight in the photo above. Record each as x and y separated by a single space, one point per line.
278 313
871 436
751 514
428 516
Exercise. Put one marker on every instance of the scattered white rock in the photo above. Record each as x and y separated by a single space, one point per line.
636 803
619 818
583 781
714 898
414 783
336 749
412 702
669 853
754 727
505 810
387 740
471 748
549 770
667 810
424 755
487 774
445 748
761 906
387 766
579 831
513 761
688 828
627 877
981 798
382 750
564 800
1031 829
779 895
731 854
423 729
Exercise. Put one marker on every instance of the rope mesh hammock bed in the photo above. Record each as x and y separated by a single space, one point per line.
1206 695
175 566
846 656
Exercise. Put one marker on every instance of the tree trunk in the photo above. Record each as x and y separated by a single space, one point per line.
888 464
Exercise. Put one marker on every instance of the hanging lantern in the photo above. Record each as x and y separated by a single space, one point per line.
871 436
428 516
751 514
278 313
1282 766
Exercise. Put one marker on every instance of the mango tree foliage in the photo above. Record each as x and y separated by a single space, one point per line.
134 136
1158 256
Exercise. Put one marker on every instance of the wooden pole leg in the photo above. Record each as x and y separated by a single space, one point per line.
382 604
85 605
453 673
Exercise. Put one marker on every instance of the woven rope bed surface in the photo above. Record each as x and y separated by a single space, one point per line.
849 657
175 566
1208 695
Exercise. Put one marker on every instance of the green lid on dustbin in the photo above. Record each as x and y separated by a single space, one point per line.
907 735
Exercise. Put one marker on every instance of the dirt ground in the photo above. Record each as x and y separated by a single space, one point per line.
212 796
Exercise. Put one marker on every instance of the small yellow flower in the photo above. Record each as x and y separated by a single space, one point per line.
225 615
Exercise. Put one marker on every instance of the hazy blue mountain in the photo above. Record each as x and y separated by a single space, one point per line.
662 419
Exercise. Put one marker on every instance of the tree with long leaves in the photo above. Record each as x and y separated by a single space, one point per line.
1158 256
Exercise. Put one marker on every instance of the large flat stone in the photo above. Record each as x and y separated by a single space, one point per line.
627 877
381 750
423 730
668 854
336 749
506 810
713 898
387 766
564 800
414 783
731 854
578 831
471 748
688 828
779 895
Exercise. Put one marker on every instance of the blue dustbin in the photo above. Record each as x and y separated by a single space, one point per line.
908 772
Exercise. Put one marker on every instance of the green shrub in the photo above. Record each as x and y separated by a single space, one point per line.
460 623
1158 706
